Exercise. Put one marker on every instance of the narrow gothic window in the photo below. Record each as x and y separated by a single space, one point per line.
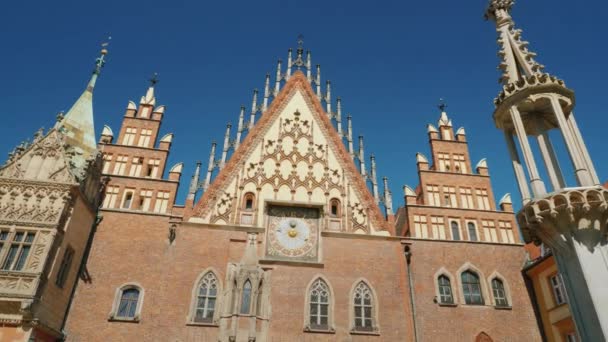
206 298
249 198
445 290
471 287
64 269
319 305
498 289
126 203
472 231
363 307
334 208
455 230
246 299
128 303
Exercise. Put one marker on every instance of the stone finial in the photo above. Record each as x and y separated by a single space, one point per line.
194 183
408 192
495 6
420 158
431 129
505 203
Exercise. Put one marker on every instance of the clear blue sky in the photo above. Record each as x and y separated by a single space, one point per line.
390 61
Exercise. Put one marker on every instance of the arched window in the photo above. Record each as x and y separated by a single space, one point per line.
334 207
472 231
455 230
206 298
248 201
127 307
319 305
364 307
498 290
246 298
471 288
445 290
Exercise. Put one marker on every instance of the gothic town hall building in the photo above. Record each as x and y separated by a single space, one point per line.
285 234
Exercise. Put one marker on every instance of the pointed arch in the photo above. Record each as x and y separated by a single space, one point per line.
363 307
206 296
246 295
441 295
501 297
467 266
483 337
319 312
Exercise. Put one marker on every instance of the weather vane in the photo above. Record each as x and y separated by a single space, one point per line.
442 105
154 79
300 40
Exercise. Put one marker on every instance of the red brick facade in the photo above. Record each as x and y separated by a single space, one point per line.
150 247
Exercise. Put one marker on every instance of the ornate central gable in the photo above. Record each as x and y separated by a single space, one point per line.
293 156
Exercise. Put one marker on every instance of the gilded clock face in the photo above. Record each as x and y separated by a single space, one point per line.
292 232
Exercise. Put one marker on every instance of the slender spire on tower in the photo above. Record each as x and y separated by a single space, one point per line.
373 178
388 197
211 166
78 124
194 183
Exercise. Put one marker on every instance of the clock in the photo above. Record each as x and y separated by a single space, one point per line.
292 232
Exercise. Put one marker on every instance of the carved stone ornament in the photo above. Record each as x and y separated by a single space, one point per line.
580 214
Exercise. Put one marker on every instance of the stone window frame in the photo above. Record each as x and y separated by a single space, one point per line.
249 195
194 296
467 266
450 221
116 302
330 309
375 309
477 232
453 282
507 289
124 197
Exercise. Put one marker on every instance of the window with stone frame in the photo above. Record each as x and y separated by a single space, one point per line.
128 303
129 136
420 227
455 228
444 161
136 164
506 231
246 298
472 230
144 138
145 199
433 195
489 231
162 202
483 201
364 308
466 198
206 299
459 163
153 167
120 165
498 290
19 245
107 160
445 290
111 195
438 227
127 199
64 268
449 195
319 302
471 288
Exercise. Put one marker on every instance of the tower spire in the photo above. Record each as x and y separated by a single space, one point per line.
78 124
194 183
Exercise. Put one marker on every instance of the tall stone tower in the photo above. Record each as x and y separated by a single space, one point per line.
570 218
49 194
